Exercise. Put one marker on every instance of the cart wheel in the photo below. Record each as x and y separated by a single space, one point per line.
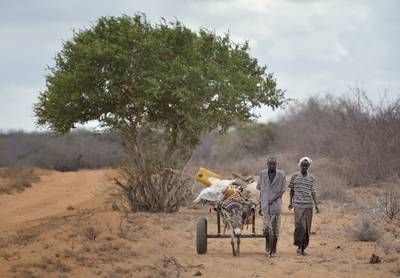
201 235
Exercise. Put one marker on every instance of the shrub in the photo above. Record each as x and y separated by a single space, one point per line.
363 229
16 179
164 191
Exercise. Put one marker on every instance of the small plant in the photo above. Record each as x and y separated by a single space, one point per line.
363 229
91 233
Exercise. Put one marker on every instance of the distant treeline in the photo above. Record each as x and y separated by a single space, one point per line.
354 138
360 136
79 149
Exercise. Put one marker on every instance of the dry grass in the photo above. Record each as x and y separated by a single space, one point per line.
45 267
16 179
91 255
21 238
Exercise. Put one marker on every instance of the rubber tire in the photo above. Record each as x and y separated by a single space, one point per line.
201 235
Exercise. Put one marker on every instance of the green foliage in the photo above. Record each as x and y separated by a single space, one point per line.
133 76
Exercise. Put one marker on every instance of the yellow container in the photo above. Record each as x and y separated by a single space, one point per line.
203 174
230 191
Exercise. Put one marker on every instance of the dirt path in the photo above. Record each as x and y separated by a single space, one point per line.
52 195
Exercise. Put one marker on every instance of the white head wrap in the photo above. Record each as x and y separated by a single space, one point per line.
304 158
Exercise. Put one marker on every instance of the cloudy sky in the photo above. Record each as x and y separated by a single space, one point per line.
313 47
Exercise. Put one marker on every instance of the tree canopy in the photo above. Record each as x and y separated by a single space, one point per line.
128 73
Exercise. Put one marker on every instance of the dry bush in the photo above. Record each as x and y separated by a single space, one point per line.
16 179
364 229
348 130
154 178
389 204
164 191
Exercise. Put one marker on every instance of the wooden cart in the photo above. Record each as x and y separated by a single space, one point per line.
202 234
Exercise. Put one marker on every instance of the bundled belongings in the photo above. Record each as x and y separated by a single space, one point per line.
219 189
215 192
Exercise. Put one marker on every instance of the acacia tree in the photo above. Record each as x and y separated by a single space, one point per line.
161 85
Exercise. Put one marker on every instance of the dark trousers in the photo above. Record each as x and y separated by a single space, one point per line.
302 222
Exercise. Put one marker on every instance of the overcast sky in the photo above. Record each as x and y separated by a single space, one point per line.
313 47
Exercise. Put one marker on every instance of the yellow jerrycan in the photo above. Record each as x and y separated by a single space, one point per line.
204 174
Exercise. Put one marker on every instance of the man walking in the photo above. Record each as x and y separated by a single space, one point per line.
271 185
302 198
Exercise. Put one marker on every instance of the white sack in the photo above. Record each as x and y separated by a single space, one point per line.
251 191
215 192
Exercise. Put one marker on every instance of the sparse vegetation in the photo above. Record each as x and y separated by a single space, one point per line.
91 256
45 266
16 179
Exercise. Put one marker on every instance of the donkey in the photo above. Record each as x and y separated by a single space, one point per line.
235 213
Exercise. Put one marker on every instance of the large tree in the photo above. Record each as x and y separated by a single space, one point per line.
162 85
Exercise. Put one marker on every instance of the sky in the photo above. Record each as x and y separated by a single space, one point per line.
313 47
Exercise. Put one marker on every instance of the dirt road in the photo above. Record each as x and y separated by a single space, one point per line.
52 195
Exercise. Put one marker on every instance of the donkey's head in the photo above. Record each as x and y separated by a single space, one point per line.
237 222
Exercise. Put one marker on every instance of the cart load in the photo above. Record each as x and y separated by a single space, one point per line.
218 189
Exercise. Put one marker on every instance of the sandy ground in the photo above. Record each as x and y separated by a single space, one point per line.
64 227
